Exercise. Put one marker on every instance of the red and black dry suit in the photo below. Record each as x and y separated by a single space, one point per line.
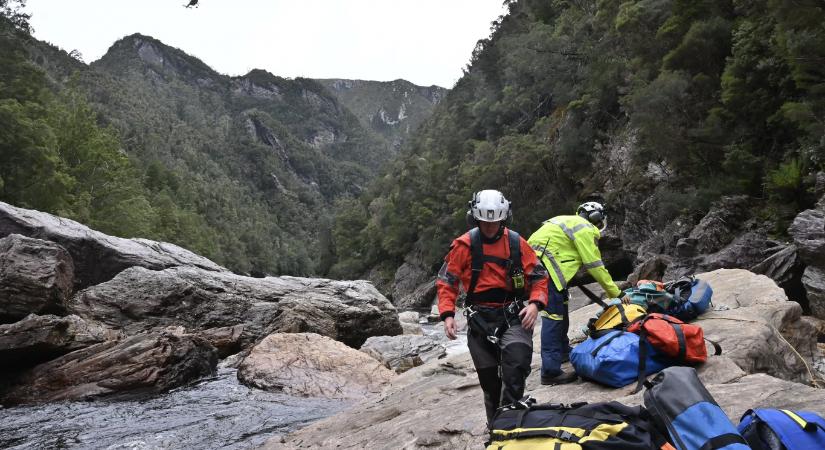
492 294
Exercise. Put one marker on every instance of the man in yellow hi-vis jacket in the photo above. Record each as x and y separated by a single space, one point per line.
564 244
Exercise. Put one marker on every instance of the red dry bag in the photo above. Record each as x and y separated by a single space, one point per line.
683 342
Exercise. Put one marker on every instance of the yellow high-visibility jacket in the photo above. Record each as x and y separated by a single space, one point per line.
566 243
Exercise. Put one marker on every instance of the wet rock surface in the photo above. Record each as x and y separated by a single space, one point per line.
36 277
215 412
142 364
139 299
97 257
38 339
307 364
226 340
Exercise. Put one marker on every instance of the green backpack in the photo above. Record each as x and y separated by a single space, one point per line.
648 293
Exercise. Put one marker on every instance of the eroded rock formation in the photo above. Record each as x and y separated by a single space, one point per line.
146 363
140 299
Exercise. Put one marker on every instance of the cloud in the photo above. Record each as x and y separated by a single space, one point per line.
423 41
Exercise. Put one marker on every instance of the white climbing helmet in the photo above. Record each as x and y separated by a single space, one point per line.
594 213
490 206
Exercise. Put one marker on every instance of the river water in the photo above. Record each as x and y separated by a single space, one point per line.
216 412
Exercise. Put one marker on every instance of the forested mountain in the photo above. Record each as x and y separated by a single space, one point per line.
656 107
393 109
151 142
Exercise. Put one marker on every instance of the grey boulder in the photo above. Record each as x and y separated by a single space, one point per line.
783 266
97 257
814 281
421 298
139 299
408 278
402 353
808 231
720 225
36 277
410 322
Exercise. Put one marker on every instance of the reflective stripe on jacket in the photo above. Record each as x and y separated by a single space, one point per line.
457 270
566 243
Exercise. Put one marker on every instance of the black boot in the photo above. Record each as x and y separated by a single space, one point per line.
562 378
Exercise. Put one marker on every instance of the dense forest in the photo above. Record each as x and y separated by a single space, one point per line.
656 106
668 104
150 142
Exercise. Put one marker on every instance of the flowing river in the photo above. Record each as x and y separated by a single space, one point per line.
216 412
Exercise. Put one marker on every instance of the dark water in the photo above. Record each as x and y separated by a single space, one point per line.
215 413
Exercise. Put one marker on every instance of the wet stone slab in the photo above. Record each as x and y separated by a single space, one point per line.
217 412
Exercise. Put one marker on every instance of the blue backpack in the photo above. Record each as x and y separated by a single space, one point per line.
682 408
613 359
780 429
691 298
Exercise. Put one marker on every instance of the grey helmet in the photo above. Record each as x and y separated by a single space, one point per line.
594 213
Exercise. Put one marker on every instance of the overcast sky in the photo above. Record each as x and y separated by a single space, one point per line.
423 41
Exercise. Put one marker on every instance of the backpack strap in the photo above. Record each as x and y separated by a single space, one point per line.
717 349
590 295
606 341
515 251
723 440
642 358
643 344
478 258
516 268
561 435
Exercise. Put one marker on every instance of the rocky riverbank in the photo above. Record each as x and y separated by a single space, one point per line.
767 360
141 327
146 341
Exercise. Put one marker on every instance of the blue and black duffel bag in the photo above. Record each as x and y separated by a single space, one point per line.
780 429
680 406
613 359
691 298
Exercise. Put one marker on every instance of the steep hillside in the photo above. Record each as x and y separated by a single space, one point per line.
394 109
245 169
657 107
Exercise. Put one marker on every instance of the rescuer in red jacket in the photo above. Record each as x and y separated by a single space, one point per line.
506 288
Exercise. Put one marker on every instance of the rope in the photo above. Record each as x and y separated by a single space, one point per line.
778 333
810 372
